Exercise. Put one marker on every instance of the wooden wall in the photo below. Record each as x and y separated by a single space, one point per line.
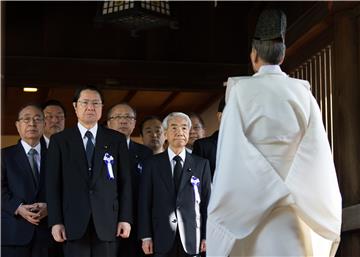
347 120
338 24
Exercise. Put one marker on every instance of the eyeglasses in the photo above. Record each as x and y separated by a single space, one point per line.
27 120
58 117
84 104
125 117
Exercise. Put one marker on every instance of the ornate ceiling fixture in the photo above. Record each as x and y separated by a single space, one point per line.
137 15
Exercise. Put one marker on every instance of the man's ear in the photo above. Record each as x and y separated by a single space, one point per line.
254 56
282 60
254 59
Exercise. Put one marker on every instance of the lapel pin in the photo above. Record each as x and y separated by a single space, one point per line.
106 147
189 169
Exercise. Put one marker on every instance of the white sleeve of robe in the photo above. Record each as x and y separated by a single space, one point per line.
246 188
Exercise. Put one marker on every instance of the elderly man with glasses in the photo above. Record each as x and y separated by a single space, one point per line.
24 229
122 117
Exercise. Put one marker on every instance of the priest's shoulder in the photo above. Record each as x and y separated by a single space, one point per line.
235 80
305 83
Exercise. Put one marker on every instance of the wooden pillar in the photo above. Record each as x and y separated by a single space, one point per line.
347 119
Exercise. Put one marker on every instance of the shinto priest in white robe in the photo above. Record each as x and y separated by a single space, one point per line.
275 190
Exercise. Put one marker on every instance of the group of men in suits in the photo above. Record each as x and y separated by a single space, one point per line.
95 177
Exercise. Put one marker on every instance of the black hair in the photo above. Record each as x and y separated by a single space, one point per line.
193 114
53 102
146 118
87 87
35 105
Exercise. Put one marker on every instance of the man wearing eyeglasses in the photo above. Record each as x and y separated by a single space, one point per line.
122 117
89 184
197 130
24 210
54 113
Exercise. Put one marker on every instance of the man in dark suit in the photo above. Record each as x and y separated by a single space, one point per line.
175 190
54 113
122 117
206 147
152 133
88 183
24 231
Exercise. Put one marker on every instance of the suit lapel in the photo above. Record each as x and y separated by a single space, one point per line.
100 147
78 152
165 172
187 172
42 164
22 160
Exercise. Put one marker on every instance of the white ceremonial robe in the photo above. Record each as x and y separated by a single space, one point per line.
275 190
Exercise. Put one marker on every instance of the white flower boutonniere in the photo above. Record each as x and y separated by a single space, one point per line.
109 160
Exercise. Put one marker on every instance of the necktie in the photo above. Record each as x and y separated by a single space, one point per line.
34 166
89 148
177 172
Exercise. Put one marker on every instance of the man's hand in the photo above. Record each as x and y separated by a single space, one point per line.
203 246
41 209
29 213
123 229
58 233
147 246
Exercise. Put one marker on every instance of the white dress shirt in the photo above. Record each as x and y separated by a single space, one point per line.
172 161
83 130
37 157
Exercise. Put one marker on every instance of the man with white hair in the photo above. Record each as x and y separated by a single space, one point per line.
175 189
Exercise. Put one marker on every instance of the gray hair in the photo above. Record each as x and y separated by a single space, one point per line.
172 115
270 51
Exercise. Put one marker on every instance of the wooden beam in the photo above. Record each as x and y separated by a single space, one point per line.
125 75
213 98
130 95
167 102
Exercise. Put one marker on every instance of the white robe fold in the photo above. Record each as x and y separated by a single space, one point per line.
275 174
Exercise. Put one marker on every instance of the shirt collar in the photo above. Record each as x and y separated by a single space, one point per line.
265 69
172 154
47 140
27 147
83 130
128 142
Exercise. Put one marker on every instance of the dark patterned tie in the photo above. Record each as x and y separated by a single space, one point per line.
89 148
177 172
34 166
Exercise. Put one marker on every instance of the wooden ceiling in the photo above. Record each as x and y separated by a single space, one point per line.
58 46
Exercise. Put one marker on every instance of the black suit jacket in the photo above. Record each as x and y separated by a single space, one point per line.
73 196
138 154
161 212
18 186
206 148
